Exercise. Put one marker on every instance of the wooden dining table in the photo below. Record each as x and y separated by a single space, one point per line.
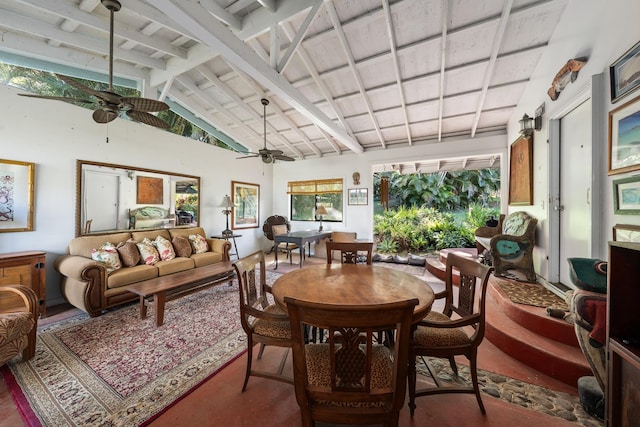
354 284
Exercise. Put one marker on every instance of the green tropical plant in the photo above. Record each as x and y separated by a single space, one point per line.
387 246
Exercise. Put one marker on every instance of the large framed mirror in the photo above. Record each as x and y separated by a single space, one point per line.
115 197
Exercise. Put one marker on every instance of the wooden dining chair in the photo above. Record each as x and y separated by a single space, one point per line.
350 379
351 252
262 321
287 247
458 330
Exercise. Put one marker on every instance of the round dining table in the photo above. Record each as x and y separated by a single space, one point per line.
354 284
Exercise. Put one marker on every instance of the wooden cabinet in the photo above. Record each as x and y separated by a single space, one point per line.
623 335
24 268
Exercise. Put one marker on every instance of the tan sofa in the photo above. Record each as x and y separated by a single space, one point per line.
88 285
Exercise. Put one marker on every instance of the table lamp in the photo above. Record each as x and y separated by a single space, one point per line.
227 205
320 211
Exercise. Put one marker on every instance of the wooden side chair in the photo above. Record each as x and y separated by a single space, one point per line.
263 322
458 330
285 246
18 325
351 252
350 379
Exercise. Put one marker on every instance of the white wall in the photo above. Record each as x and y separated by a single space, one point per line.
602 31
53 135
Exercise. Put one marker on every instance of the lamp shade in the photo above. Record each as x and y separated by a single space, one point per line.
321 210
226 202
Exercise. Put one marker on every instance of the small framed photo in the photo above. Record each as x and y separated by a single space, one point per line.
625 73
16 195
358 196
626 196
626 233
624 138
246 205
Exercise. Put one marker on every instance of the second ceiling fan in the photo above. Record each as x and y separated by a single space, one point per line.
268 156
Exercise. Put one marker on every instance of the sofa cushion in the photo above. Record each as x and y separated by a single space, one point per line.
206 258
198 243
165 248
174 265
139 236
184 232
129 253
126 276
148 252
107 254
182 246
85 244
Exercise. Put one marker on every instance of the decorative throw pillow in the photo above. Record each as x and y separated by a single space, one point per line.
129 253
108 255
198 243
181 246
148 252
165 248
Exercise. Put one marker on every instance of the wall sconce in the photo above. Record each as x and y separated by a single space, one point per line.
227 205
526 125
320 212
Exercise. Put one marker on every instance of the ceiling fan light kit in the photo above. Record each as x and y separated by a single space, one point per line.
268 156
110 105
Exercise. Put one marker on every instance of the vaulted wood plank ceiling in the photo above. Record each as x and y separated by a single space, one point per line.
341 75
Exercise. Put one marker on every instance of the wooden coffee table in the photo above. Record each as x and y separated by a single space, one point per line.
176 285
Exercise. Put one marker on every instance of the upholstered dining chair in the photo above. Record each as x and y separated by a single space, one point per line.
263 322
18 326
351 252
458 330
350 379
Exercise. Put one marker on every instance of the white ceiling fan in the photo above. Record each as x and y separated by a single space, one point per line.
268 156
108 104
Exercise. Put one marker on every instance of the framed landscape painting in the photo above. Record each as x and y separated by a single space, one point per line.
521 172
624 138
625 73
16 195
246 205
626 196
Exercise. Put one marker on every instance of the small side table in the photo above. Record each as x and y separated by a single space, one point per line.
227 237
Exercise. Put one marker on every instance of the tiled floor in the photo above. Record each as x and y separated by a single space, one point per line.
219 401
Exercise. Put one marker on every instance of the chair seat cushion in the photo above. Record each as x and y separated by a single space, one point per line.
273 329
319 370
426 336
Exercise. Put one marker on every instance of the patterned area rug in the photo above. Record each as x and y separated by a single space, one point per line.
535 295
116 369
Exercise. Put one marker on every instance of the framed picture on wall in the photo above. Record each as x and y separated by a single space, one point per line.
149 191
624 138
521 172
625 73
16 195
626 196
626 233
246 205
358 196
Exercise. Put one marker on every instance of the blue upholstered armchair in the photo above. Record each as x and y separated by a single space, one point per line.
510 244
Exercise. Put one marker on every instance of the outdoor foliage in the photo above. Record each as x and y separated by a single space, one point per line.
429 212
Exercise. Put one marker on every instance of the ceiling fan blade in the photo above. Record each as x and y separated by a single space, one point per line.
79 86
149 119
249 156
283 158
104 116
59 98
144 104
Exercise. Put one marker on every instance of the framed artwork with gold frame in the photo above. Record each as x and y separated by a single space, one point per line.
16 195
246 205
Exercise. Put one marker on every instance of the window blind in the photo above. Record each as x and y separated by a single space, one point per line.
316 186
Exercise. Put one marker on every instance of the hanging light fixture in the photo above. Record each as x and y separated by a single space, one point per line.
526 125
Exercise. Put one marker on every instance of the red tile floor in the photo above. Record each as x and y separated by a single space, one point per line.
266 403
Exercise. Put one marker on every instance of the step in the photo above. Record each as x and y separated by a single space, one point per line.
535 319
563 362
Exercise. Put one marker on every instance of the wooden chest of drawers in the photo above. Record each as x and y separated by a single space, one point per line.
27 269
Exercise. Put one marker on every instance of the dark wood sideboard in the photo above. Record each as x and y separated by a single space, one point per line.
623 335
24 268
